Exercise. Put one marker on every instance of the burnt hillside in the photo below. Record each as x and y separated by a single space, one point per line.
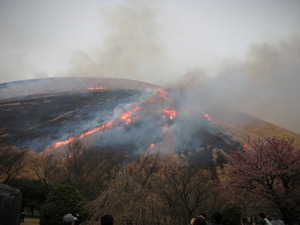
122 114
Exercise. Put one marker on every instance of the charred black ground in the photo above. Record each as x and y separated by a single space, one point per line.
133 119
38 120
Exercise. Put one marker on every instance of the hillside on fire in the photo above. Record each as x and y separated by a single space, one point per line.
47 114
145 153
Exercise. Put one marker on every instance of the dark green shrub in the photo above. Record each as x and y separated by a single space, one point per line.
62 200
232 214
33 192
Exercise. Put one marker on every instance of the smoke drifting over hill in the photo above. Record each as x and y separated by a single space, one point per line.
265 83
133 48
166 44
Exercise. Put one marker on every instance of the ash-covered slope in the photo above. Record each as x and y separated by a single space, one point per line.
49 114
39 113
58 85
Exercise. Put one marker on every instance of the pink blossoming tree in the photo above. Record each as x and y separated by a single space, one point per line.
267 171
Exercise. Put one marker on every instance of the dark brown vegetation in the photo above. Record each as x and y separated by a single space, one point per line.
266 171
169 189
12 162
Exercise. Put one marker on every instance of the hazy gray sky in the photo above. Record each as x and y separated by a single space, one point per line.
249 48
45 38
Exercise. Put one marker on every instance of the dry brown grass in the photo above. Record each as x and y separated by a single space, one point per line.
31 221
240 126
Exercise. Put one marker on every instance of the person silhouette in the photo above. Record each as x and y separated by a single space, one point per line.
107 219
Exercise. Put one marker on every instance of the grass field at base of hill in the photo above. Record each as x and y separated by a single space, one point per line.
30 221
36 221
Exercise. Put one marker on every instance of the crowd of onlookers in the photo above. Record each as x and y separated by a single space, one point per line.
217 219
70 219
263 220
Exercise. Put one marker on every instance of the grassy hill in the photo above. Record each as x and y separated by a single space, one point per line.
241 125
38 113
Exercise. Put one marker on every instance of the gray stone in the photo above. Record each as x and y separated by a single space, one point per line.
10 205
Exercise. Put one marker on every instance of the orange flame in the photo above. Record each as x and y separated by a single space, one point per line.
107 125
207 116
152 146
163 93
170 113
60 143
71 139
127 121
96 88
124 116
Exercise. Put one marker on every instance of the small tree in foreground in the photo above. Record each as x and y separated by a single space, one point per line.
268 171
157 189
61 201
33 192
12 162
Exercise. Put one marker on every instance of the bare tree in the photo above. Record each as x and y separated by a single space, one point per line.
132 197
12 162
90 168
47 167
187 190
155 189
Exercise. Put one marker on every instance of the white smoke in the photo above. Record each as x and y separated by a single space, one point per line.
133 47
158 41
265 84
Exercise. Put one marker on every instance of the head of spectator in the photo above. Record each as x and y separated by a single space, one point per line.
200 220
262 215
217 217
69 219
107 220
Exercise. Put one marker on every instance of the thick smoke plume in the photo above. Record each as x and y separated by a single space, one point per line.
133 47
134 43
265 83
